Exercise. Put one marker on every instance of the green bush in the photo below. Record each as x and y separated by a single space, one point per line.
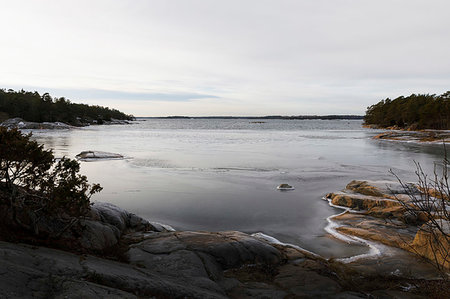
32 177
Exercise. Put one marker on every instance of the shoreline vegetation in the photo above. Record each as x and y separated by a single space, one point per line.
34 108
413 113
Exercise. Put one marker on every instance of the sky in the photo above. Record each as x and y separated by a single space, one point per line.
226 57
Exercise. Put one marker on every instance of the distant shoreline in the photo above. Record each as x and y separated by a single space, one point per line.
300 117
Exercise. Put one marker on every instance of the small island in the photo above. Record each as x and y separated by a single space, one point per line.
31 110
414 112
417 118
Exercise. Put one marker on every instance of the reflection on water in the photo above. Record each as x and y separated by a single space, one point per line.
222 174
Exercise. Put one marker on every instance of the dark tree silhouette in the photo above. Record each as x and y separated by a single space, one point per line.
31 106
34 184
422 111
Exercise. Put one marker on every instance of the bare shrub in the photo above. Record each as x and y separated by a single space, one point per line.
428 201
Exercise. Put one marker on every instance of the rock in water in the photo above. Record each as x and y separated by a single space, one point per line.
285 187
97 155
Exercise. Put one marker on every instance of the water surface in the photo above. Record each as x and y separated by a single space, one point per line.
209 174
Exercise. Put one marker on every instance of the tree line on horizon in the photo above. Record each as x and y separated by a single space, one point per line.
33 107
417 111
283 117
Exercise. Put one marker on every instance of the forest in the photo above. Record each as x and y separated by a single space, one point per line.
414 112
33 107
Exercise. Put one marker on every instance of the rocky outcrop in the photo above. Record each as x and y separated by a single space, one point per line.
382 199
99 232
377 212
22 124
157 262
106 225
168 265
114 121
97 155
392 232
177 265
416 136
19 123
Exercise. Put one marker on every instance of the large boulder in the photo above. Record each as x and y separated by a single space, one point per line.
433 242
107 224
119 218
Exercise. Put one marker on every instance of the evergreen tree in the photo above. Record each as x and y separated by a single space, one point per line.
421 111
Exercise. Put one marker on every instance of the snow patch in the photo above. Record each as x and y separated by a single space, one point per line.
272 240
164 226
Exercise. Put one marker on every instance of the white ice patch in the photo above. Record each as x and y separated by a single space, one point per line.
165 226
272 240
267 238
374 249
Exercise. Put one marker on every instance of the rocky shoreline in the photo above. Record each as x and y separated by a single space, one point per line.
149 260
375 213
116 254
405 135
27 125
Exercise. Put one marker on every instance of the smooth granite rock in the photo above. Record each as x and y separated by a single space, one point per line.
174 265
159 263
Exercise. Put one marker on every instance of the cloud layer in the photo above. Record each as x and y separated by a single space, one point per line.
201 57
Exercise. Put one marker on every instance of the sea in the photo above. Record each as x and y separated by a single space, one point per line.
222 174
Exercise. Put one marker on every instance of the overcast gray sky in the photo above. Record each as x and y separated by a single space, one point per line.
226 57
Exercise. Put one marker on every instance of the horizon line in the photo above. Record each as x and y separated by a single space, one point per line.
262 116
